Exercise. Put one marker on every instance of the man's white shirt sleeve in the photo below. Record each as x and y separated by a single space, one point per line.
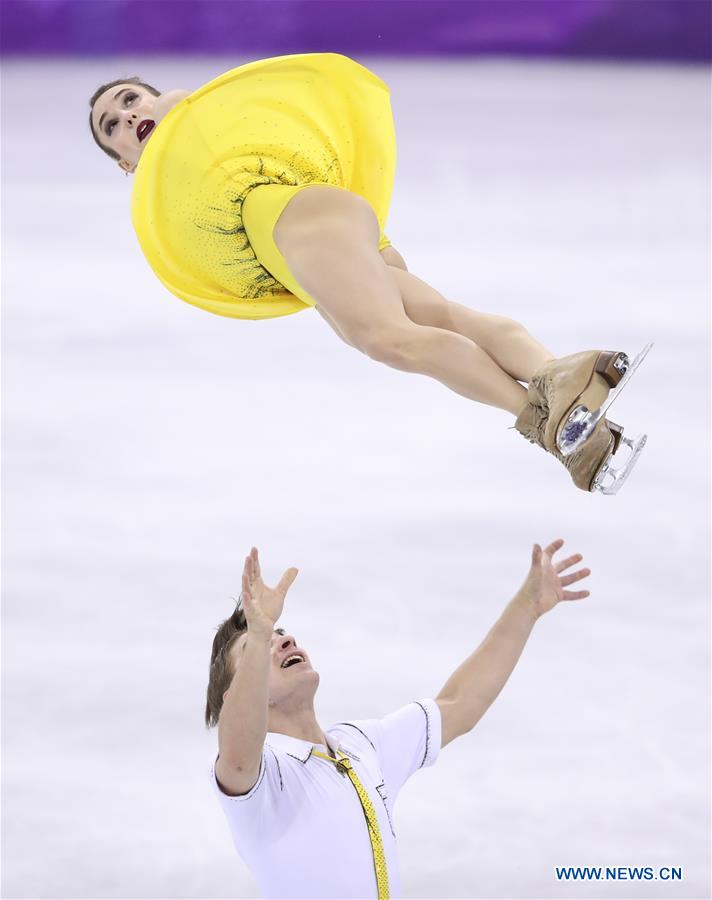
405 740
262 797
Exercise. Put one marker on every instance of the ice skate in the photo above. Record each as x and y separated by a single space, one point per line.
592 465
610 478
575 392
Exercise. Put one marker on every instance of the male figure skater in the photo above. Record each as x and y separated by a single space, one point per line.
311 809
266 192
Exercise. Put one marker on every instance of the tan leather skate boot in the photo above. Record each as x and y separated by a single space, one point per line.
590 466
575 391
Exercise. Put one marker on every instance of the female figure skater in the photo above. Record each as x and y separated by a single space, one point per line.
266 191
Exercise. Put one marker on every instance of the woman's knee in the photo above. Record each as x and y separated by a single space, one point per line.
396 346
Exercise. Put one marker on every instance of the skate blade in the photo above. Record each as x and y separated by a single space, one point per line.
582 421
611 478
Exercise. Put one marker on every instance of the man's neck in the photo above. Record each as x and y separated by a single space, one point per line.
298 723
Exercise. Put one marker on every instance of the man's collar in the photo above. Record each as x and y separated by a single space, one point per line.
302 750
292 746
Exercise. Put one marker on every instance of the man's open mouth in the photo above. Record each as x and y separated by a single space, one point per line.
145 127
292 660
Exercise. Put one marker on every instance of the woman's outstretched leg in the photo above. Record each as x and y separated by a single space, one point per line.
508 343
329 239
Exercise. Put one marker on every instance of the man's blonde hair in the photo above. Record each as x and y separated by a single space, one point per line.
221 670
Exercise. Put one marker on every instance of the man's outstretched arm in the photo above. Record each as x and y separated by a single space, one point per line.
242 726
473 687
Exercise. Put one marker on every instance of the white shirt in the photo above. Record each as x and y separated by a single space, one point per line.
301 830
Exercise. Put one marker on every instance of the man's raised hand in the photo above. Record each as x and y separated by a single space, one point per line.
545 584
262 605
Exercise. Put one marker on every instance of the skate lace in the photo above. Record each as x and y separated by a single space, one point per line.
532 421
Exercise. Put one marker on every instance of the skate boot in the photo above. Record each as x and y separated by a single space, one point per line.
576 391
592 465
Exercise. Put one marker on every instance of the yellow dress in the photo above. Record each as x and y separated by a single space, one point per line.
315 118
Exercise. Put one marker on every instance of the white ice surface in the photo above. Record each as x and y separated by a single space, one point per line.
147 445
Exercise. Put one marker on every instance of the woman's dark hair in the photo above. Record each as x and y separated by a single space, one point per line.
134 79
221 670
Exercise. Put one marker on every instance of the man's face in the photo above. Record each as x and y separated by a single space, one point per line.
292 679
123 120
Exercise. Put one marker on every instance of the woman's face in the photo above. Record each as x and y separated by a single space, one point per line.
123 119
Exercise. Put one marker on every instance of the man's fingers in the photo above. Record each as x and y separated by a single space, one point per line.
247 603
254 555
286 581
574 576
554 546
536 555
568 562
576 595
